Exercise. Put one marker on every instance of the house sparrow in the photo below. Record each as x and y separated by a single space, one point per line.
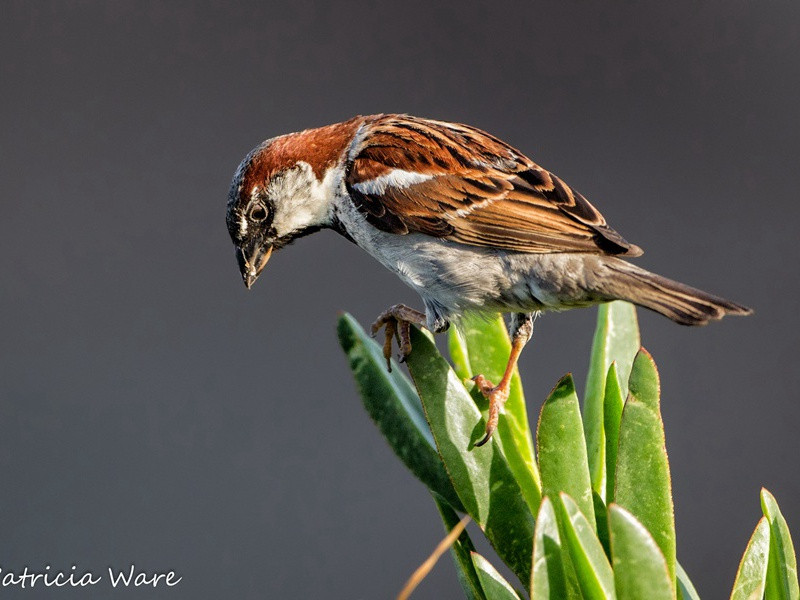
467 221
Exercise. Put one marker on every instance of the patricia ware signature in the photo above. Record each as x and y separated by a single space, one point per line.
48 577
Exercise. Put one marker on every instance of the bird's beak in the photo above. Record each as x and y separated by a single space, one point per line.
252 260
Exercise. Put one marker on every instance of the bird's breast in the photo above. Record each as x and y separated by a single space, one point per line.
454 276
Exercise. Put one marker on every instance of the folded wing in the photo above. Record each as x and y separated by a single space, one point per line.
462 184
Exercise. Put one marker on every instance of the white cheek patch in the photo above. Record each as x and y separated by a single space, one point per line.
243 225
302 200
397 178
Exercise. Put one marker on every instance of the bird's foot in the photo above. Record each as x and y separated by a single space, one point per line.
497 396
397 322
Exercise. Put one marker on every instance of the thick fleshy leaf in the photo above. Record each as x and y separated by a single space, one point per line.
593 571
601 523
393 404
751 578
640 570
782 569
616 338
562 447
643 485
459 354
686 589
481 476
488 348
494 585
461 552
548 577
478 346
613 404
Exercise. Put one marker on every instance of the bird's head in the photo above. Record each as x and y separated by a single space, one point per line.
283 190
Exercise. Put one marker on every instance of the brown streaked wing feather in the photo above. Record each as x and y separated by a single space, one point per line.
481 191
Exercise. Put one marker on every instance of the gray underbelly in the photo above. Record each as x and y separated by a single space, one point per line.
454 278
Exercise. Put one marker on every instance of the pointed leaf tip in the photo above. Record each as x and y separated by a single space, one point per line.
562 448
616 338
613 404
591 567
782 567
494 585
640 569
644 382
751 577
642 478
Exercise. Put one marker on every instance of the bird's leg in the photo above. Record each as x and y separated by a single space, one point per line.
521 331
397 320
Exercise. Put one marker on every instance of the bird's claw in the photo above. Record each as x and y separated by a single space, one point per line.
497 396
396 322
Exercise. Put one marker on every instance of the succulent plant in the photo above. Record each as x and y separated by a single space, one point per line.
588 513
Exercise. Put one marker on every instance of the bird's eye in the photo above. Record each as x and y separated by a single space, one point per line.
258 213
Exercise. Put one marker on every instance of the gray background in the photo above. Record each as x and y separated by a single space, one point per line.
153 411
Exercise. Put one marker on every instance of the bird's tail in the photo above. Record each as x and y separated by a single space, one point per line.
681 303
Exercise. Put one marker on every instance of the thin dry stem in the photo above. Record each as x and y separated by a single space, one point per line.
426 567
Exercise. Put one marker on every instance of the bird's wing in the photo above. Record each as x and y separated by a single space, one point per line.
462 184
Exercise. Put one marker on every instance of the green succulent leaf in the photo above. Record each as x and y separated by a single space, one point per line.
459 354
562 447
643 485
686 589
616 451
481 475
616 338
549 574
782 567
613 404
487 348
640 570
751 578
601 521
461 552
494 585
393 404
478 346
593 572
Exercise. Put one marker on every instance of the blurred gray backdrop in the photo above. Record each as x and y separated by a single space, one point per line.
152 411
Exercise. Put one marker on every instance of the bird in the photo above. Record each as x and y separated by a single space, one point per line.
469 222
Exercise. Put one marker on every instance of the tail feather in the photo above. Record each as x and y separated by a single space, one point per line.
677 301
